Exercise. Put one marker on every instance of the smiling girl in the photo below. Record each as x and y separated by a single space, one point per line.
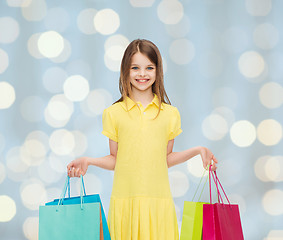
141 127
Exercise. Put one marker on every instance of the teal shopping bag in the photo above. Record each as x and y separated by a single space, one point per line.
87 199
70 222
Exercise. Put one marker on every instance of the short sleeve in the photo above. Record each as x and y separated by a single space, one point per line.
175 125
109 126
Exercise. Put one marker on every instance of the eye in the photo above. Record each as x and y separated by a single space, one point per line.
135 68
150 68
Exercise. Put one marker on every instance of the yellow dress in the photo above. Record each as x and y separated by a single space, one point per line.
141 204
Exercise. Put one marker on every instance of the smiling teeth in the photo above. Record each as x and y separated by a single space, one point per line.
142 80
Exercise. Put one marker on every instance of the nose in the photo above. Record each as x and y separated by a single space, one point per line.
142 72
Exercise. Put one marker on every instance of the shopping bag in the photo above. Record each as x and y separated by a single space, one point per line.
221 221
70 221
191 228
94 198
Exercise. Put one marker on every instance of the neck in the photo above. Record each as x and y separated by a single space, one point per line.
144 97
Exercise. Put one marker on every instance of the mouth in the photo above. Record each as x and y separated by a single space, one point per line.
142 80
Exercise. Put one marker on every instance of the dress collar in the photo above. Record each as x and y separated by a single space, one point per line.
131 103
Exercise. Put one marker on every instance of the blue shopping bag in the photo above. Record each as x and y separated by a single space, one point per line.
92 221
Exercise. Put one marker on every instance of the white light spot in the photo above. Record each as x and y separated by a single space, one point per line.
2 172
271 95
8 208
4 61
85 21
275 235
80 143
144 3
62 142
258 7
195 167
35 10
65 54
272 202
35 148
181 29
7 95
226 113
53 79
57 19
76 88
96 102
214 127
30 228
33 194
273 168
179 183
170 12
266 36
32 108
269 132
106 21
259 168
182 51
14 160
18 3
58 111
50 44
33 46
243 133
251 64
9 29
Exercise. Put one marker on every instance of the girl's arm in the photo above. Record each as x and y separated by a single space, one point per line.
174 158
80 165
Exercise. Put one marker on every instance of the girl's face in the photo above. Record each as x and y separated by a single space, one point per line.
142 73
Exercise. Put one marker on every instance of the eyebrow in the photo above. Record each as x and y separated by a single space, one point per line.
138 64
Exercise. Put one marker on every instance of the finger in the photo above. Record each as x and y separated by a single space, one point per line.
77 172
70 165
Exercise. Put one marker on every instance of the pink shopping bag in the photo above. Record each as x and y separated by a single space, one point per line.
221 221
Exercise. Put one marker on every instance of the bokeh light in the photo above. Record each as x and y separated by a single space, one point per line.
182 51
9 29
76 88
179 183
214 127
144 3
18 3
85 21
4 61
32 45
243 133
251 64
274 235
170 12
195 166
62 142
65 54
269 132
30 228
7 95
34 10
271 95
114 50
272 202
58 111
258 7
96 102
8 208
33 194
50 44
180 29
273 168
106 21
266 36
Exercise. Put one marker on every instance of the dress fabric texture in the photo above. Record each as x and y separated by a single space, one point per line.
141 204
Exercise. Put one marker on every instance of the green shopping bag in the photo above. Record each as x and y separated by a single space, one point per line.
70 222
191 228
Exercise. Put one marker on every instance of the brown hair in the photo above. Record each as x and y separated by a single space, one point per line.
150 50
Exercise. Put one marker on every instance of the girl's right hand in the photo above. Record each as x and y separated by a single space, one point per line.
78 167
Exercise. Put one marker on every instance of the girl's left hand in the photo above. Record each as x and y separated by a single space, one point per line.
208 158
